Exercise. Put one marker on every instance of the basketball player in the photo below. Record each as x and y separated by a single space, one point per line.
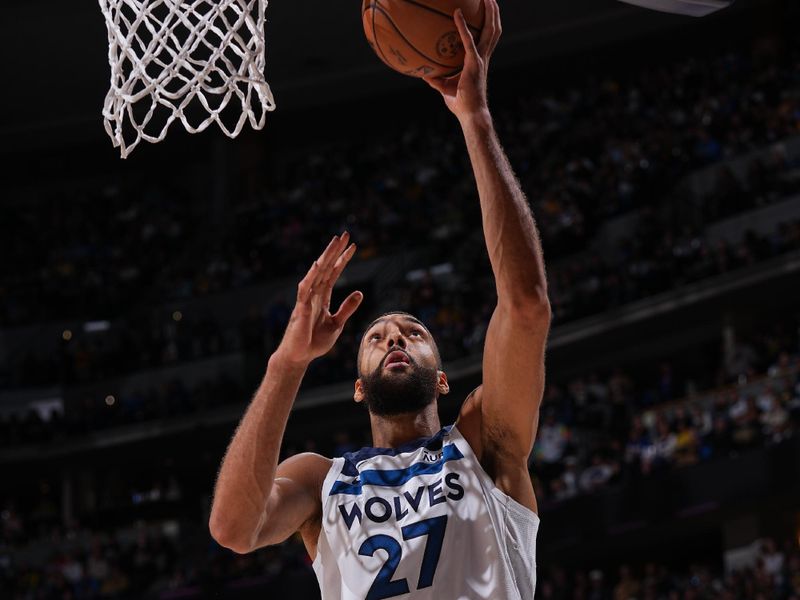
428 512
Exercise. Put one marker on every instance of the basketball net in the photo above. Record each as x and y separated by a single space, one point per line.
184 59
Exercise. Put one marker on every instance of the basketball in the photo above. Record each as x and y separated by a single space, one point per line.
419 37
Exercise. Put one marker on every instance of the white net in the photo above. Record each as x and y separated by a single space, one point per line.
198 61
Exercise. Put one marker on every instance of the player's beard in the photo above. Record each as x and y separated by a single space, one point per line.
399 393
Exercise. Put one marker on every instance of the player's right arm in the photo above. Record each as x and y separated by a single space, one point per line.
256 501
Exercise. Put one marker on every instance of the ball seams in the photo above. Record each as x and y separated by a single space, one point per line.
376 6
438 12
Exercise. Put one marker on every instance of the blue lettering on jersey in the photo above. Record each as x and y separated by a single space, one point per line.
435 494
380 509
378 517
414 501
451 480
399 512
355 513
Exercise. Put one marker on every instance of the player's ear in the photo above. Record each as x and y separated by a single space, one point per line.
358 393
442 385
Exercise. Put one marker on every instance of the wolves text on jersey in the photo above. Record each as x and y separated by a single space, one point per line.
379 509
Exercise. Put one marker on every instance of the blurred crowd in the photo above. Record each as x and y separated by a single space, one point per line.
600 430
118 253
596 430
151 559
172 559
90 252
774 574
456 307
648 260
90 412
603 146
573 460
600 147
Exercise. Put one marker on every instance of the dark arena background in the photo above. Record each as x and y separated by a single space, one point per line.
141 299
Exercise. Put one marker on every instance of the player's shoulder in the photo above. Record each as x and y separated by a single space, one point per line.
309 459
309 468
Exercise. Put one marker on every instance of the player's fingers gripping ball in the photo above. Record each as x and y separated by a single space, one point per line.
419 37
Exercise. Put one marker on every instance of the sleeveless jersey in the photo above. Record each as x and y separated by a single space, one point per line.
423 521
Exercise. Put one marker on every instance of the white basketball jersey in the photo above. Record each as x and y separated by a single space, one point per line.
423 521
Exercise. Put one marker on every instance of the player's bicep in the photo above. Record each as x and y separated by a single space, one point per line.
513 378
294 500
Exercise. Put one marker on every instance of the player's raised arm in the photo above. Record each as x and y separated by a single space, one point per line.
513 363
258 502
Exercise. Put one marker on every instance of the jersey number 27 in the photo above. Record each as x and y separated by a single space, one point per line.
383 586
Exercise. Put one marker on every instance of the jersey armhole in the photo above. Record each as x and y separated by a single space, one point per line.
337 464
517 508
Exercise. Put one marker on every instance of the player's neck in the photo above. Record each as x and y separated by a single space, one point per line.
394 431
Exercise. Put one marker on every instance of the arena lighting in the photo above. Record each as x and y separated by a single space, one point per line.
96 326
66 335
177 315
47 407
434 271
110 400
692 8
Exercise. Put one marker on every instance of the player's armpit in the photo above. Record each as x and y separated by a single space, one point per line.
294 503
513 379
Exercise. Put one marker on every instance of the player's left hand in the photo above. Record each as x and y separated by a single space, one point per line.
465 93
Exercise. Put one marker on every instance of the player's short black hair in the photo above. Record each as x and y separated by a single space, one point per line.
409 316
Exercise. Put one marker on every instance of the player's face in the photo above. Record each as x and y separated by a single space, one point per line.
398 366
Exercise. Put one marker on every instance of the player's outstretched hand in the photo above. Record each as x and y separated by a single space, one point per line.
465 93
312 329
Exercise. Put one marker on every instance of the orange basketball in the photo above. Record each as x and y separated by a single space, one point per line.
419 37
